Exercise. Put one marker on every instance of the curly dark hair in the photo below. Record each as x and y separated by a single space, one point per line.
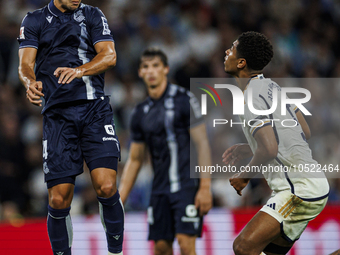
154 52
255 48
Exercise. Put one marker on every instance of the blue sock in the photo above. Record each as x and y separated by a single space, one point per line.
59 229
112 215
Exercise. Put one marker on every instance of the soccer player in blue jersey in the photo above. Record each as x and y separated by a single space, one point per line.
164 123
64 50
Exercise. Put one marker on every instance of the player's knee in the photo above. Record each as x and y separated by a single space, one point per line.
186 244
240 247
163 248
106 189
186 249
57 201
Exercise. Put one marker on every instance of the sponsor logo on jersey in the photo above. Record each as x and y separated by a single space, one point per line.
109 139
22 34
49 18
78 16
109 129
106 30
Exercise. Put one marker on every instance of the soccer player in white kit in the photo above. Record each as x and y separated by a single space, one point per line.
298 195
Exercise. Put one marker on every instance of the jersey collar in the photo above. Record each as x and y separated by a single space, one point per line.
257 76
55 11
254 77
163 95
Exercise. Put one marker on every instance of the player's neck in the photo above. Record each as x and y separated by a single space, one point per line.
157 92
243 78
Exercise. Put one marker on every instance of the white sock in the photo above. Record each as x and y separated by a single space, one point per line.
121 253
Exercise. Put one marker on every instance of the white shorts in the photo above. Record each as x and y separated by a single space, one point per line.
292 213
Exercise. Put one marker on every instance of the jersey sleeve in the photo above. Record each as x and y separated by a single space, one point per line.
29 32
192 110
295 108
137 134
261 100
100 30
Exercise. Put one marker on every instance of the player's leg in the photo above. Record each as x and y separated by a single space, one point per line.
163 247
261 230
186 244
62 162
101 151
59 224
278 224
110 207
161 227
278 247
188 224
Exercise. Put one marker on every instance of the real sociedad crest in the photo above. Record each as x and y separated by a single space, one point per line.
78 16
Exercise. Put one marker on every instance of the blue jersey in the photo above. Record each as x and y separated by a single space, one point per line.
164 125
65 40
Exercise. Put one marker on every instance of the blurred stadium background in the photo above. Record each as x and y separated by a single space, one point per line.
195 35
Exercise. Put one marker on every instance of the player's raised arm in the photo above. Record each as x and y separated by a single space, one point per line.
203 199
27 57
105 59
304 124
131 169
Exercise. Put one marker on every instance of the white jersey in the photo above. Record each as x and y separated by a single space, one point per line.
294 155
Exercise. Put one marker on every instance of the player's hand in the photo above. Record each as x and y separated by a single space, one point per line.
33 92
203 200
67 74
236 153
238 182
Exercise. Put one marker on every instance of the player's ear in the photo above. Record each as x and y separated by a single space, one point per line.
140 72
241 63
166 70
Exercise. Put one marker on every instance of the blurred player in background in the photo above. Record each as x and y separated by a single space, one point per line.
295 201
64 49
164 123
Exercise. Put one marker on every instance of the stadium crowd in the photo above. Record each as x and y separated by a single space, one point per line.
194 34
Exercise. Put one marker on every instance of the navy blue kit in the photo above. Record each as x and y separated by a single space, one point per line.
80 108
163 125
77 117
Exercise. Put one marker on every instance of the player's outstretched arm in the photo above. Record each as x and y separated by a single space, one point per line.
203 199
131 169
236 153
304 125
27 77
267 149
105 59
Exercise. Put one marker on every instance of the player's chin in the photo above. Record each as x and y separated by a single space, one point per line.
225 67
74 6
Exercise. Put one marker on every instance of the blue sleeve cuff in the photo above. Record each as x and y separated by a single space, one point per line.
102 39
253 132
28 44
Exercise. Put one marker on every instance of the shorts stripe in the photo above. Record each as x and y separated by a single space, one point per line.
285 216
285 205
289 207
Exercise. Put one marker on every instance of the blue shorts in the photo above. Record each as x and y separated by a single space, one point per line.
171 214
78 131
